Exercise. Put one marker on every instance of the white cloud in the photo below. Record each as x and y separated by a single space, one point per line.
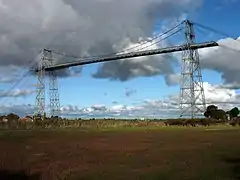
16 93
173 79
218 94
163 108
226 98
223 59
20 110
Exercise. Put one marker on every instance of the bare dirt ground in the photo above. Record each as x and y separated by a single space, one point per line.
173 153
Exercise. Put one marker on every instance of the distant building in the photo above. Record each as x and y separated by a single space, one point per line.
228 117
4 119
26 119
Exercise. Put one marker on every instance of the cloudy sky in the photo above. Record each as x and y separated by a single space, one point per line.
141 87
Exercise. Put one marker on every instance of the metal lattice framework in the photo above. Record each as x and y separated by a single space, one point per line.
54 94
46 61
40 97
192 98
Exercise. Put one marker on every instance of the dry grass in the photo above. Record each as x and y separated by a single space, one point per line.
162 153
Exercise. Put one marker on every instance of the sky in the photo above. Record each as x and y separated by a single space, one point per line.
141 87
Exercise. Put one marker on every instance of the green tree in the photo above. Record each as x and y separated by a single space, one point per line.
212 108
215 113
207 114
12 120
12 117
209 111
234 112
218 114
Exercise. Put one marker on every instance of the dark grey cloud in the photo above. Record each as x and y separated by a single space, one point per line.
83 28
232 86
99 108
124 70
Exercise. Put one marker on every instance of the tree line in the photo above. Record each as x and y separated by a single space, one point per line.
213 112
213 116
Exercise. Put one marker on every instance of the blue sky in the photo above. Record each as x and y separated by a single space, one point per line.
85 91
222 15
91 91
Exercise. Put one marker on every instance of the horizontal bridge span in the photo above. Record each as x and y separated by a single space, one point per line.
132 55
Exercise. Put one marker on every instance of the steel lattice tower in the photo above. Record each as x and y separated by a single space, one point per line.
46 61
192 98
40 97
53 91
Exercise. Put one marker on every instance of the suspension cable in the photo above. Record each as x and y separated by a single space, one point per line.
214 30
23 77
99 56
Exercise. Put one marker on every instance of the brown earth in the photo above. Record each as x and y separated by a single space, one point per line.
154 154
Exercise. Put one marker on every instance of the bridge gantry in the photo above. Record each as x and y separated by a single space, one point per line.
54 104
192 98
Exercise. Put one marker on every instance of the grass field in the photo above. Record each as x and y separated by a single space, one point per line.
124 153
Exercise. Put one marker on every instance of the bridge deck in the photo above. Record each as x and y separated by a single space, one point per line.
131 55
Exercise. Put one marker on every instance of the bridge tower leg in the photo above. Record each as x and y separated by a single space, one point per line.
47 60
53 91
192 98
40 97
